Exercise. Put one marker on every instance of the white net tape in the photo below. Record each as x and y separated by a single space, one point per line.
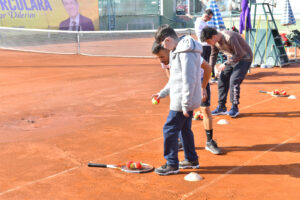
92 43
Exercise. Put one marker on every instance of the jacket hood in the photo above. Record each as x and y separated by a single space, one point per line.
188 44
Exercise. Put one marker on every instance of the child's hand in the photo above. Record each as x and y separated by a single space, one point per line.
221 67
204 94
186 114
155 96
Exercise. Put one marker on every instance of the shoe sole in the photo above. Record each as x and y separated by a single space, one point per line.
215 153
168 173
189 167
234 116
220 113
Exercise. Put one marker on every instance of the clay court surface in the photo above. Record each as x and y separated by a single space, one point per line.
58 112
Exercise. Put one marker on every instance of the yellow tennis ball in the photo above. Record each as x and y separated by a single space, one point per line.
155 101
132 165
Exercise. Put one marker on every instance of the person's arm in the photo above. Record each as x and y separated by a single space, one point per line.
206 76
213 56
207 72
198 29
190 16
199 26
165 91
167 72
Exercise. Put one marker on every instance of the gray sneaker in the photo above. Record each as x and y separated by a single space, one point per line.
166 170
213 147
185 164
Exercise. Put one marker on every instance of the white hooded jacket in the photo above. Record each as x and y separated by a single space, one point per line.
184 85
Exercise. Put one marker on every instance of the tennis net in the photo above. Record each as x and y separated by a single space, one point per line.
92 43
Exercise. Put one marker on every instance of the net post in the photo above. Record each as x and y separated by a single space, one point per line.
78 42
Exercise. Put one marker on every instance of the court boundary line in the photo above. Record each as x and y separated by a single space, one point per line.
76 167
38 180
186 196
217 179
134 147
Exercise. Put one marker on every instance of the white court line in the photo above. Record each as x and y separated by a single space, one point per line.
258 103
39 180
123 115
76 167
131 148
185 196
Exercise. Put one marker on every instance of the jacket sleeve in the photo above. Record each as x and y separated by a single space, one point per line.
198 29
213 56
189 67
91 26
165 91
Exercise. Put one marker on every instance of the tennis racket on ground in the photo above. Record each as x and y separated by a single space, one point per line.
274 95
144 169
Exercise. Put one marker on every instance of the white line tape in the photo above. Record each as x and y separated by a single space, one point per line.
185 196
77 167
149 142
39 180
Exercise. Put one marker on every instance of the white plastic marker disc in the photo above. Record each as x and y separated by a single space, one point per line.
263 66
223 122
193 176
292 97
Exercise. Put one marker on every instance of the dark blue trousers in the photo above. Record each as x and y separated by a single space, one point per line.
177 122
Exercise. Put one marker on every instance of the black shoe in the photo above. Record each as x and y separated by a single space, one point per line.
185 164
213 147
180 146
214 80
166 170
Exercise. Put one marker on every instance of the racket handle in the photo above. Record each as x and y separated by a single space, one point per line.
261 91
97 165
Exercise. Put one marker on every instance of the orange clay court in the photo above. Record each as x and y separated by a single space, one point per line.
59 112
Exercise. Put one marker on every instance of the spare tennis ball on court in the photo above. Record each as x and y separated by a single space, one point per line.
155 100
201 116
283 92
196 115
138 165
128 164
275 92
132 166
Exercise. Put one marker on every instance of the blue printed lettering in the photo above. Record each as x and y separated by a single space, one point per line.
3 5
41 6
2 15
11 6
47 5
20 5
33 5
25 4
